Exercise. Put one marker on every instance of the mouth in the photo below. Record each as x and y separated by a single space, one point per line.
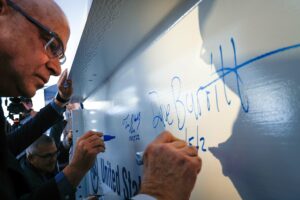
43 79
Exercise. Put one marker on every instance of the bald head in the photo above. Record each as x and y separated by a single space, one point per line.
26 62
47 12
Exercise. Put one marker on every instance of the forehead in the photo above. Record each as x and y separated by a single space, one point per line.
47 148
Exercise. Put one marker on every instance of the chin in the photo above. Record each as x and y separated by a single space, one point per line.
29 91
29 94
49 170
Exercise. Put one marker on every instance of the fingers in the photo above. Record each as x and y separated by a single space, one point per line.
69 83
64 85
190 151
179 144
184 148
92 142
90 133
95 141
197 163
63 77
165 137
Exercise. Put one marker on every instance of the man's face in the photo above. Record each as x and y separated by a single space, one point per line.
25 64
45 158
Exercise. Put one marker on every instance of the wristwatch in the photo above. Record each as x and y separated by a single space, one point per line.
61 100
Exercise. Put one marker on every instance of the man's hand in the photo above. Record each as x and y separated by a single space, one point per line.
64 85
69 137
170 168
86 150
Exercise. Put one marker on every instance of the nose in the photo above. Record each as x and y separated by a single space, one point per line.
53 159
54 67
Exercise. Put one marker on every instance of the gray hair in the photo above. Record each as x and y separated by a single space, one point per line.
43 140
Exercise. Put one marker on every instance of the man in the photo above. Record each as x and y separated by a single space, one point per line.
23 71
41 161
42 26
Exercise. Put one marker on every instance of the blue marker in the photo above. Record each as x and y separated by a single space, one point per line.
108 138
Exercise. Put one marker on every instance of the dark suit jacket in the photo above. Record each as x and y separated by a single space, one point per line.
6 188
17 186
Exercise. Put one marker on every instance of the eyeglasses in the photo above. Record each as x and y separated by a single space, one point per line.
54 46
47 155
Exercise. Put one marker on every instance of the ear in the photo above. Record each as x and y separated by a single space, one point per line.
3 6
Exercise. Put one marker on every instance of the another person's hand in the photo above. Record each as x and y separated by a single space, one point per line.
67 142
65 88
86 150
170 168
70 137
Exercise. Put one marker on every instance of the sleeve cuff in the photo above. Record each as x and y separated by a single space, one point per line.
143 197
66 191
58 109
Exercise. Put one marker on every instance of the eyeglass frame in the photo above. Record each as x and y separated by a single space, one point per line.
47 155
62 58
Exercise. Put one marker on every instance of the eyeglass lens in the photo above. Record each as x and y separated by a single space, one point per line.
54 49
